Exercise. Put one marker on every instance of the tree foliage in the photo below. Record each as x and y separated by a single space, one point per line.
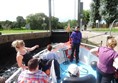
20 21
54 22
95 14
109 10
41 21
6 24
86 16
92 14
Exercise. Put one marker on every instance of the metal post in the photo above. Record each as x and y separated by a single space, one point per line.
50 16
78 12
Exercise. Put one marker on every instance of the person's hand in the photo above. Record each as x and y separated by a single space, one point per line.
70 42
47 72
36 46
24 67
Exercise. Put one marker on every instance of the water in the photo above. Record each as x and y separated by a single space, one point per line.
8 71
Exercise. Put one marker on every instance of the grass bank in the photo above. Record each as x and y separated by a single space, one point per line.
105 29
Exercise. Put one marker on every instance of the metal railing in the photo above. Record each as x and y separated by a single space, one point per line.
111 26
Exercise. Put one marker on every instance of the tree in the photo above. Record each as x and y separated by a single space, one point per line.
6 24
54 22
44 25
95 15
36 21
92 15
20 21
73 23
109 10
86 16
61 25
1 25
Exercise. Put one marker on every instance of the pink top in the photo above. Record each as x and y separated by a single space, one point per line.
106 58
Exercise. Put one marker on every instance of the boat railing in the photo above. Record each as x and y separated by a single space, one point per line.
112 26
13 76
93 46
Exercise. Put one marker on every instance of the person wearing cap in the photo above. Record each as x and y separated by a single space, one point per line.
73 70
75 40
107 56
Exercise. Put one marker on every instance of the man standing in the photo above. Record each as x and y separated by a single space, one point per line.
75 39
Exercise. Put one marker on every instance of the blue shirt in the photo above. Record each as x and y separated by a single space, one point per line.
76 36
50 55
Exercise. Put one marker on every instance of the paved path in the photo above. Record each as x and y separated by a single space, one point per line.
98 37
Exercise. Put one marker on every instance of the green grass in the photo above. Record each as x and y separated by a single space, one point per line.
17 31
105 29
20 31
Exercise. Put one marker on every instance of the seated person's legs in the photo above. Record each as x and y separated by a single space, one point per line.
57 68
45 65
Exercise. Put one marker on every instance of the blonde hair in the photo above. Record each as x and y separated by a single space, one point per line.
111 42
18 43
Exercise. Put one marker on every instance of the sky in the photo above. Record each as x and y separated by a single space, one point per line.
62 9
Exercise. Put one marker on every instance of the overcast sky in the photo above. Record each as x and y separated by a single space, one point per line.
63 9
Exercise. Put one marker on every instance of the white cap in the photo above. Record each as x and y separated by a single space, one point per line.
73 69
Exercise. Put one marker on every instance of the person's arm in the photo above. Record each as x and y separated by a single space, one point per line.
19 59
70 38
95 51
115 63
80 37
32 48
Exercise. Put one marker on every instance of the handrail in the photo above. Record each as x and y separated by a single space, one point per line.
112 26
13 75
89 45
97 35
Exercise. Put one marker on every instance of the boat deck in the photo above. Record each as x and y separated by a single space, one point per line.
84 69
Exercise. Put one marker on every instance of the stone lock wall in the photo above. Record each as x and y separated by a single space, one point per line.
8 53
26 36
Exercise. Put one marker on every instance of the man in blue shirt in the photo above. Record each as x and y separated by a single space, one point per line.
75 39
48 57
